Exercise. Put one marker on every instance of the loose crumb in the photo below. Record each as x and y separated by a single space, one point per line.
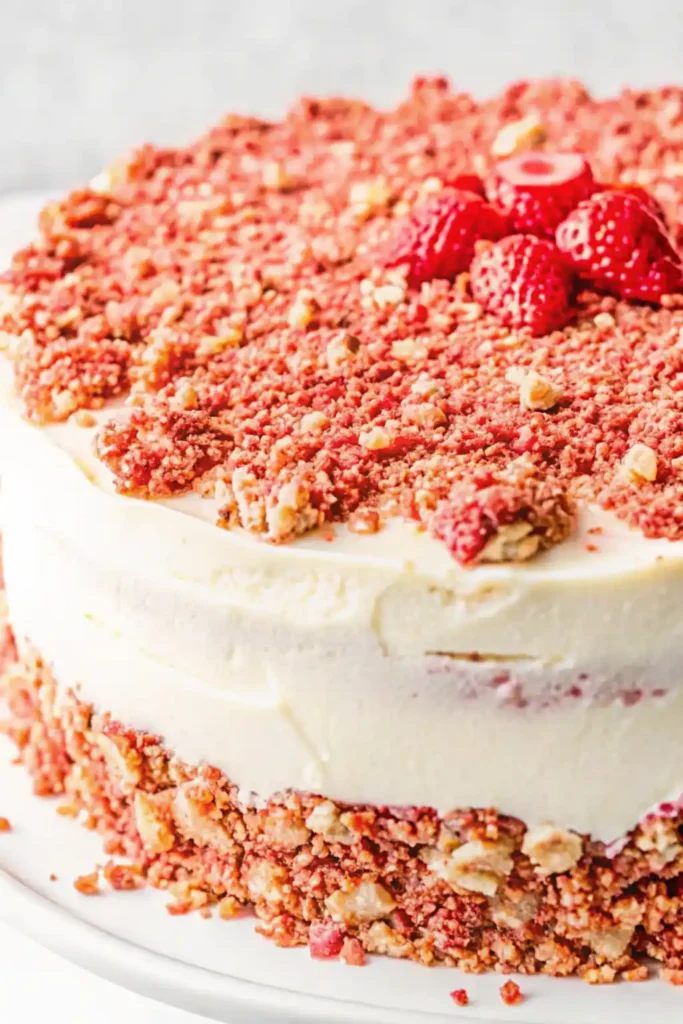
228 908
88 885
641 973
352 953
460 997
67 811
124 876
674 977
364 521
84 418
640 464
179 907
511 993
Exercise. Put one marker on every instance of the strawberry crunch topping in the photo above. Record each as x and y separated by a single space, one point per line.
238 291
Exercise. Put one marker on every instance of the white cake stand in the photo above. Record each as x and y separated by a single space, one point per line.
223 970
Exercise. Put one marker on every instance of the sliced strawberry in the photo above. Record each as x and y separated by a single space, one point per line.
438 238
619 246
538 190
525 281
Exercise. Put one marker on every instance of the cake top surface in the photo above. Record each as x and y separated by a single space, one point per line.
235 294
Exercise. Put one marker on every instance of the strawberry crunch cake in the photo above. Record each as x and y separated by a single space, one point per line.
342 514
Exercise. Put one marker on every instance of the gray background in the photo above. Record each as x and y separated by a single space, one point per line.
81 80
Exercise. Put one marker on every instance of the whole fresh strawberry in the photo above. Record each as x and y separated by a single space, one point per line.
645 197
525 281
619 246
468 183
438 238
537 190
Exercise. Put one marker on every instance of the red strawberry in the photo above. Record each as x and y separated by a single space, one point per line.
525 281
619 246
468 183
438 239
645 197
537 191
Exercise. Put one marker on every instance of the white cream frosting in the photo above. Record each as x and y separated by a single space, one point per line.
346 666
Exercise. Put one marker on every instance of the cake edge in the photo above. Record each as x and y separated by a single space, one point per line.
474 889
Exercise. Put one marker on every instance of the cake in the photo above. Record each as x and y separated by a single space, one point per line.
342 514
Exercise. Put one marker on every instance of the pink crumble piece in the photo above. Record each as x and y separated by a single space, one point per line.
511 993
464 525
325 940
480 508
460 997
352 953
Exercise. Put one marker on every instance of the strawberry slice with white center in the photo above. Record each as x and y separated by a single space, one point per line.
538 190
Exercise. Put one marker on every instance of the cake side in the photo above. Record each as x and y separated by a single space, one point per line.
474 889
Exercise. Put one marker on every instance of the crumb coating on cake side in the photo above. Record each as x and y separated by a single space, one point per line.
233 290
474 888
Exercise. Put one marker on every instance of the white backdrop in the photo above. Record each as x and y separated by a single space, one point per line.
80 80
